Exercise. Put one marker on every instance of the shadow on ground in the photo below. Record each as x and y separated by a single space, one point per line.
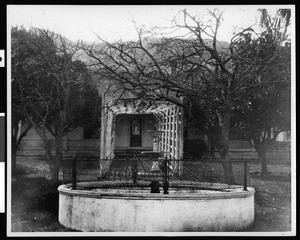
34 203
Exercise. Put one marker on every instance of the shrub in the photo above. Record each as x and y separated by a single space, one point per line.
194 148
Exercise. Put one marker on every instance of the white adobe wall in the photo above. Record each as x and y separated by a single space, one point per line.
76 134
91 211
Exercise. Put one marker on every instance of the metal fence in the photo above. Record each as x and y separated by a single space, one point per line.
155 173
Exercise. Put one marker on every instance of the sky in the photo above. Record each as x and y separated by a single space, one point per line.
83 22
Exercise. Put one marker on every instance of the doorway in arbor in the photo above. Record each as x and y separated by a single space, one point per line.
136 133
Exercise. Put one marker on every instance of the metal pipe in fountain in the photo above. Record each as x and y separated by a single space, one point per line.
156 135
158 164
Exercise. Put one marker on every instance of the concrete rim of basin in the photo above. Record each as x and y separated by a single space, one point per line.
180 194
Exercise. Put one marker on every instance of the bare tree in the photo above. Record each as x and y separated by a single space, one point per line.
189 63
47 82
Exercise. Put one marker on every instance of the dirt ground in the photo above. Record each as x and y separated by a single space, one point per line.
35 199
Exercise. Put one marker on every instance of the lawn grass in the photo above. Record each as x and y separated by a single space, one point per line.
35 198
34 202
272 198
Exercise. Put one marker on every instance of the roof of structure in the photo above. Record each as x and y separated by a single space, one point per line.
140 106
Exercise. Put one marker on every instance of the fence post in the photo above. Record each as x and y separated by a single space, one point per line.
134 169
74 172
245 175
165 176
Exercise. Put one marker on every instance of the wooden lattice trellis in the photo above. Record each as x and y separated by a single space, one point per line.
170 120
172 137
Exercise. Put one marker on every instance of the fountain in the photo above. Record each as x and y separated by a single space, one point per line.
158 162
138 210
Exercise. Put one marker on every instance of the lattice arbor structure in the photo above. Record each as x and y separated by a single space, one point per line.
168 118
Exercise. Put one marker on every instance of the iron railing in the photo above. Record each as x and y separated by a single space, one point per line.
31 144
155 174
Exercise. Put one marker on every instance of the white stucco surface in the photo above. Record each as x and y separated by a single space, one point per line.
145 212
76 134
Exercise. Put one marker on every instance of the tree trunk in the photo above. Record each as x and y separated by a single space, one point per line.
224 121
263 160
261 148
13 158
58 151
55 173
16 142
54 167
14 154
14 149
225 135
228 171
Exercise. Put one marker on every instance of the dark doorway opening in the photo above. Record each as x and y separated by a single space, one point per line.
136 133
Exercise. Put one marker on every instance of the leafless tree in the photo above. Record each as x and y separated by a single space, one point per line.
187 63
45 73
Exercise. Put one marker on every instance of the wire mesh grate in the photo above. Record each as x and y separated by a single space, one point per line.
142 172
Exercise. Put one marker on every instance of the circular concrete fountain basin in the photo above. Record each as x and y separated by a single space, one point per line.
138 210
